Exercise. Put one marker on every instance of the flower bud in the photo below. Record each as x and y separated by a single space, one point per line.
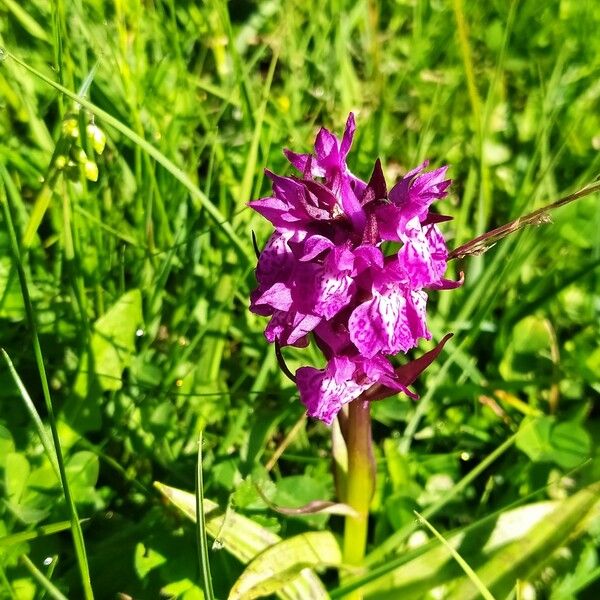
70 128
91 170
97 137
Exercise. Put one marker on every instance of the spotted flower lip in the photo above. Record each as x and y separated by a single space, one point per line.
323 271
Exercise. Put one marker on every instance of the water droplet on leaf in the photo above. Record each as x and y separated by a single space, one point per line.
217 544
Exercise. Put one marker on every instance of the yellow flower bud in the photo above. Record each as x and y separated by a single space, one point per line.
97 138
91 170
70 127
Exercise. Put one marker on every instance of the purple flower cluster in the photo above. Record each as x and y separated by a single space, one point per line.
323 269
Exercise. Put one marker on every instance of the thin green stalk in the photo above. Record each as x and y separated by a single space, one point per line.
201 529
464 565
39 358
26 536
33 413
6 584
48 586
360 484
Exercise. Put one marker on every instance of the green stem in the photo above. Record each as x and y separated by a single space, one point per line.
360 484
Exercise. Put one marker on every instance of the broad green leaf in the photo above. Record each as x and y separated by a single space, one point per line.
523 558
243 538
7 445
112 345
112 349
499 551
567 444
146 559
16 474
284 561
114 337
300 490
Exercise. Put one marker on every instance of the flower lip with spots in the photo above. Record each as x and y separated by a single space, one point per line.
323 271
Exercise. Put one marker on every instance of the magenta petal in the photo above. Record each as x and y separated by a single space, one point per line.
275 262
423 255
290 328
315 245
448 284
392 321
366 256
327 151
334 293
279 296
348 136
324 392
298 161
380 325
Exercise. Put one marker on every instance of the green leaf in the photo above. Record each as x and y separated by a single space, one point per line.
500 549
16 474
284 561
243 538
299 490
112 349
523 558
567 444
113 341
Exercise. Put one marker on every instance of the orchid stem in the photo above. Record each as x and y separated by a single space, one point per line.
359 484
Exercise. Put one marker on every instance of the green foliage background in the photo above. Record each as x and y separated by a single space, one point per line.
140 293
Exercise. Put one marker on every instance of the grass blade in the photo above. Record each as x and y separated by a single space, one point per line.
458 558
50 588
26 536
201 529
33 413
39 359
242 248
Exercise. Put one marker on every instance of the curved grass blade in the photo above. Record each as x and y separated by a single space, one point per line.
33 413
512 521
244 252
458 558
38 532
48 586
76 531
524 557
201 540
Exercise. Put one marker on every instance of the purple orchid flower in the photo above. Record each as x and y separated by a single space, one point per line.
323 271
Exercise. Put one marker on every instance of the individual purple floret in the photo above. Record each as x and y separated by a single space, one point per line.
323 270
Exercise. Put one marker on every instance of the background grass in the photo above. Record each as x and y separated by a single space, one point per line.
140 292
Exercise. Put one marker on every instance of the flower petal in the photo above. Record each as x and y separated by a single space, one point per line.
423 255
392 321
290 328
324 392
276 261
